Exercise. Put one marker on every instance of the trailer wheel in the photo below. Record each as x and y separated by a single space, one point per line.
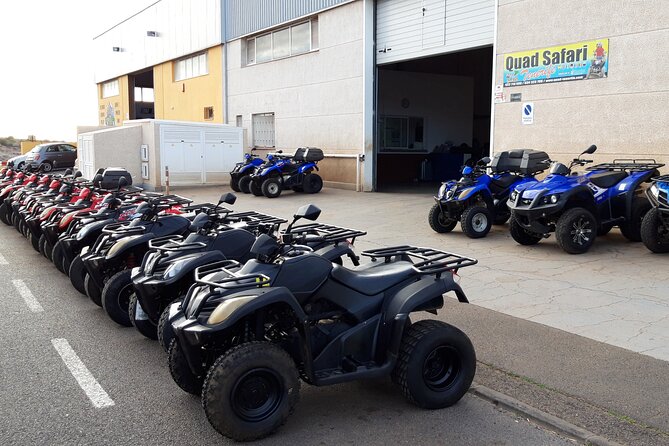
654 234
312 183
631 229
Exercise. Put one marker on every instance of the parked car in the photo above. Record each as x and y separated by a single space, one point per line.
50 155
18 161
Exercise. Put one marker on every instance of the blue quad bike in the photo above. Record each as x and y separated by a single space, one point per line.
290 172
246 335
478 200
244 169
655 224
246 183
578 207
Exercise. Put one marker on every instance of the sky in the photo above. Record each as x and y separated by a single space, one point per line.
47 87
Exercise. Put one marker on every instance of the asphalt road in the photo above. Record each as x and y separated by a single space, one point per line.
43 403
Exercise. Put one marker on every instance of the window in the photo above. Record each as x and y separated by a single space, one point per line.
52 149
284 42
402 133
144 94
263 129
189 67
239 121
209 113
67 148
110 89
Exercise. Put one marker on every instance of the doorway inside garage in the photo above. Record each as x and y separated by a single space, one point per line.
433 115
141 95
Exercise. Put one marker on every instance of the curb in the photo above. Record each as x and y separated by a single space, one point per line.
545 419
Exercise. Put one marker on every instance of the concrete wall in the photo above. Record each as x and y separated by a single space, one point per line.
317 98
185 100
119 147
625 115
444 102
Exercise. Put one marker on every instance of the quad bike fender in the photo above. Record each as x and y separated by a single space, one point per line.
426 294
268 170
632 183
339 251
306 168
480 190
90 232
122 246
185 265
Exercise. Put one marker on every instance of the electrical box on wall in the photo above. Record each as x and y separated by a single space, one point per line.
145 171
144 152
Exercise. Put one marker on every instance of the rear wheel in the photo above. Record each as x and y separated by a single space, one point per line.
312 183
46 166
476 221
92 291
436 364
654 235
250 391
271 187
603 230
631 229
140 320
576 230
522 235
181 373
244 184
255 189
116 297
439 221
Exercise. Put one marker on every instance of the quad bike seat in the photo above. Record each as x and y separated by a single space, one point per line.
373 278
607 179
501 184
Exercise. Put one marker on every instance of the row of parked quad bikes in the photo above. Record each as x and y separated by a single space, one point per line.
278 172
576 206
244 309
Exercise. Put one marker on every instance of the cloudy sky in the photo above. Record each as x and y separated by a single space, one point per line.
46 78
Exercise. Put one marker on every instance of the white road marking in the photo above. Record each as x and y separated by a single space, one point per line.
27 296
3 261
85 379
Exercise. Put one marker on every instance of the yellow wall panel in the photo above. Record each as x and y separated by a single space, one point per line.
112 111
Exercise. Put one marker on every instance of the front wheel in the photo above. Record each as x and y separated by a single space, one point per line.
34 241
271 187
234 184
522 235
576 230
45 247
4 214
181 373
58 259
250 391
631 229
46 166
165 332
140 320
77 273
439 221
93 292
436 364
476 221
312 183
255 189
501 217
245 184
654 234
116 297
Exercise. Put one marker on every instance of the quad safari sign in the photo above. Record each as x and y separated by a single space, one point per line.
572 62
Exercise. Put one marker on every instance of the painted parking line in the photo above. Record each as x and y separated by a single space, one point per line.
3 261
27 296
85 379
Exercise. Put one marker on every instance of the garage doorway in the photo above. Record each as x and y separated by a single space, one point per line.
141 95
433 115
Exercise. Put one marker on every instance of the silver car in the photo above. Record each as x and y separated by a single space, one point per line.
52 155
18 161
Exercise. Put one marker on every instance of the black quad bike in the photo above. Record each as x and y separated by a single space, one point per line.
248 334
333 243
655 224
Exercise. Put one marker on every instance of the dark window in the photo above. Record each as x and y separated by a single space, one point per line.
209 113
52 149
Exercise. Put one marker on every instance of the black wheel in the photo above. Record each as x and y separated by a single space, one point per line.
476 221
654 235
58 259
45 247
436 364
603 230
250 391
522 235
631 229
17 222
140 320
576 230
116 297
297 189
255 189
165 332
181 372
312 183
3 213
271 187
23 228
244 184
92 291
46 166
234 184
440 222
501 218
34 241
77 273
20 166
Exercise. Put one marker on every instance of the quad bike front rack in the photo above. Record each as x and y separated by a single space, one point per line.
430 261
233 279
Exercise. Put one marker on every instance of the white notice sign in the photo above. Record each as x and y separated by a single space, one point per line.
528 113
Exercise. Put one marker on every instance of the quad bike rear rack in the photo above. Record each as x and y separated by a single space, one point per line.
123 228
329 233
430 261
628 165
661 179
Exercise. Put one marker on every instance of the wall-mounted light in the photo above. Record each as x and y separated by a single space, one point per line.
152 34
116 49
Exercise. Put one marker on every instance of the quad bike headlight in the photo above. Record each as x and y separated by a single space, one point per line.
655 191
226 308
173 269
442 191
550 199
555 198
514 195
